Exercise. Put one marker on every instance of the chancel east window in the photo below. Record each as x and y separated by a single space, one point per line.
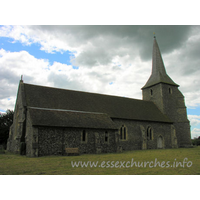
123 133
149 133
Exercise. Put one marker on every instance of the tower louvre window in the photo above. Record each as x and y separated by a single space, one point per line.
170 90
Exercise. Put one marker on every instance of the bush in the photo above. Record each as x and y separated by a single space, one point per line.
2 149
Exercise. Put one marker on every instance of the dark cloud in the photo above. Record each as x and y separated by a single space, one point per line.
9 82
169 37
62 81
117 54
93 57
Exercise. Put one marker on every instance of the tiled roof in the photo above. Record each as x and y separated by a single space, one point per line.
113 106
61 118
158 74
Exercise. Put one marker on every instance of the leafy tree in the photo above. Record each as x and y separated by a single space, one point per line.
196 141
6 120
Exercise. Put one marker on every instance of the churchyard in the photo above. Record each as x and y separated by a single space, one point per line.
182 161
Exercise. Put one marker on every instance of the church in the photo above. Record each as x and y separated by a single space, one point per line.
49 120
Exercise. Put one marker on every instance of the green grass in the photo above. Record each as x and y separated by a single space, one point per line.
12 164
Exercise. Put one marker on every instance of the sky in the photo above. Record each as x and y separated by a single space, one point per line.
113 60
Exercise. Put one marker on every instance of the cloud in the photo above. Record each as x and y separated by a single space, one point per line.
195 124
194 120
109 38
195 132
12 66
40 72
104 54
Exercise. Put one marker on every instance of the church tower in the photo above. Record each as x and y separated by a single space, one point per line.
164 92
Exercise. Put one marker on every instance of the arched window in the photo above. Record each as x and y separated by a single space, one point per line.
151 91
170 90
84 136
121 130
123 133
106 136
149 133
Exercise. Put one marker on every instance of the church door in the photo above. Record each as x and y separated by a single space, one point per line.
160 142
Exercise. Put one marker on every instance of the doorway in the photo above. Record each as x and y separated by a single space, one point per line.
160 142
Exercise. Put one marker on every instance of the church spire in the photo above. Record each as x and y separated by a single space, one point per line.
158 74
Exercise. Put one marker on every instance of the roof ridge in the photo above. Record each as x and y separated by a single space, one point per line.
38 108
50 87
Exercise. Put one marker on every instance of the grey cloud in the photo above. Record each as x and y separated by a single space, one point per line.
102 43
11 77
9 82
92 57
62 81
169 37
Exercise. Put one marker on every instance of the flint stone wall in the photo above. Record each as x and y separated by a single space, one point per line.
135 137
53 141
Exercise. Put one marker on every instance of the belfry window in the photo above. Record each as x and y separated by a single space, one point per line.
149 133
123 133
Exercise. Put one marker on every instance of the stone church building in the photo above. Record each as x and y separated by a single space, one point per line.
48 120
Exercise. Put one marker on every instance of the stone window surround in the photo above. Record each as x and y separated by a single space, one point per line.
151 92
106 135
170 90
149 133
123 133
86 136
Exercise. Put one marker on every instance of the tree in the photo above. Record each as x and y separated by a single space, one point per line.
196 141
6 120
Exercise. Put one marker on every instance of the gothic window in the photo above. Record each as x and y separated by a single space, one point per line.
106 136
123 133
83 139
149 133
151 91
170 90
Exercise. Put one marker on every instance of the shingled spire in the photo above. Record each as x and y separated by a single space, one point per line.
158 74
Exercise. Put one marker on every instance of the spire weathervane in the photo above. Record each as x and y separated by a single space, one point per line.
154 34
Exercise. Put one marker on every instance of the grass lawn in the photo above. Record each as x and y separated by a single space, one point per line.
12 164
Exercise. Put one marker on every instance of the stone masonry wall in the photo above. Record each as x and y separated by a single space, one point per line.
136 137
29 136
53 141
16 131
171 102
